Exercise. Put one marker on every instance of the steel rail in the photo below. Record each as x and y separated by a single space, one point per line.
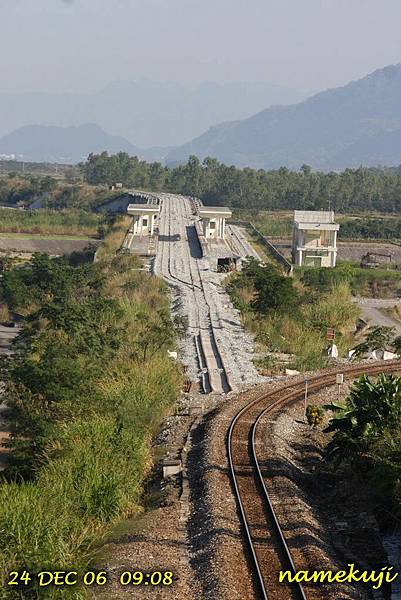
206 378
225 384
295 393
235 234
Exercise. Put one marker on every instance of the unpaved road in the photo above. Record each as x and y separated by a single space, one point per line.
372 311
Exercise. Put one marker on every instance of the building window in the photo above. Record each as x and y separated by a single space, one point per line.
312 261
144 222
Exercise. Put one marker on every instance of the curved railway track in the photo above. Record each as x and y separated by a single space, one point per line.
269 551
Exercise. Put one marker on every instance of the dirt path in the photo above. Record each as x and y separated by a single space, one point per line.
372 310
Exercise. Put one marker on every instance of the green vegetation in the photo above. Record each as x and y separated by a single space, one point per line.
377 283
366 441
49 222
363 189
287 318
270 224
279 224
86 389
117 230
19 190
377 338
250 191
378 229
23 188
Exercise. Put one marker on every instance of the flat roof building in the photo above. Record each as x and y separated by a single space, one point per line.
144 217
314 241
214 221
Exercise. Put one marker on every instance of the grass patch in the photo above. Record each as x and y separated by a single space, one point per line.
113 241
49 222
37 236
269 223
373 283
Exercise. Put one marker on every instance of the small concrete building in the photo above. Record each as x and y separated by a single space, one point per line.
144 218
214 221
314 241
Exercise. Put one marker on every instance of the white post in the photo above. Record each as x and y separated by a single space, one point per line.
334 254
339 381
305 398
300 258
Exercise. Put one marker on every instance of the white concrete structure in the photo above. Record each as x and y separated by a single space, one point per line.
214 221
144 218
314 241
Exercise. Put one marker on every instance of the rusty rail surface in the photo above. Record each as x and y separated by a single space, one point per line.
268 549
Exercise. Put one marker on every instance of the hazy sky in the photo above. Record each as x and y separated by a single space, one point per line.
81 45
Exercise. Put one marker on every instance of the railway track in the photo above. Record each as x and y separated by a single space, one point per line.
182 270
241 245
268 548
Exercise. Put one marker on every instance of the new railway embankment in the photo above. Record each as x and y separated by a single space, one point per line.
219 552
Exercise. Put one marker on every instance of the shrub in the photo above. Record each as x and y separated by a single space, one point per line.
314 415
85 400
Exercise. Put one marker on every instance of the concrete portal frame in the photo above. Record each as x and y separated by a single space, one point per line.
214 221
314 241
144 217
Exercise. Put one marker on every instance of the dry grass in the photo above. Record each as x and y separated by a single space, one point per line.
113 241
4 313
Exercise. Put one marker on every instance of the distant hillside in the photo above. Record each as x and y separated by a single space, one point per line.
62 144
359 123
145 112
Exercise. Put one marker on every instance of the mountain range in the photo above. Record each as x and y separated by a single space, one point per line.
46 143
146 113
359 123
